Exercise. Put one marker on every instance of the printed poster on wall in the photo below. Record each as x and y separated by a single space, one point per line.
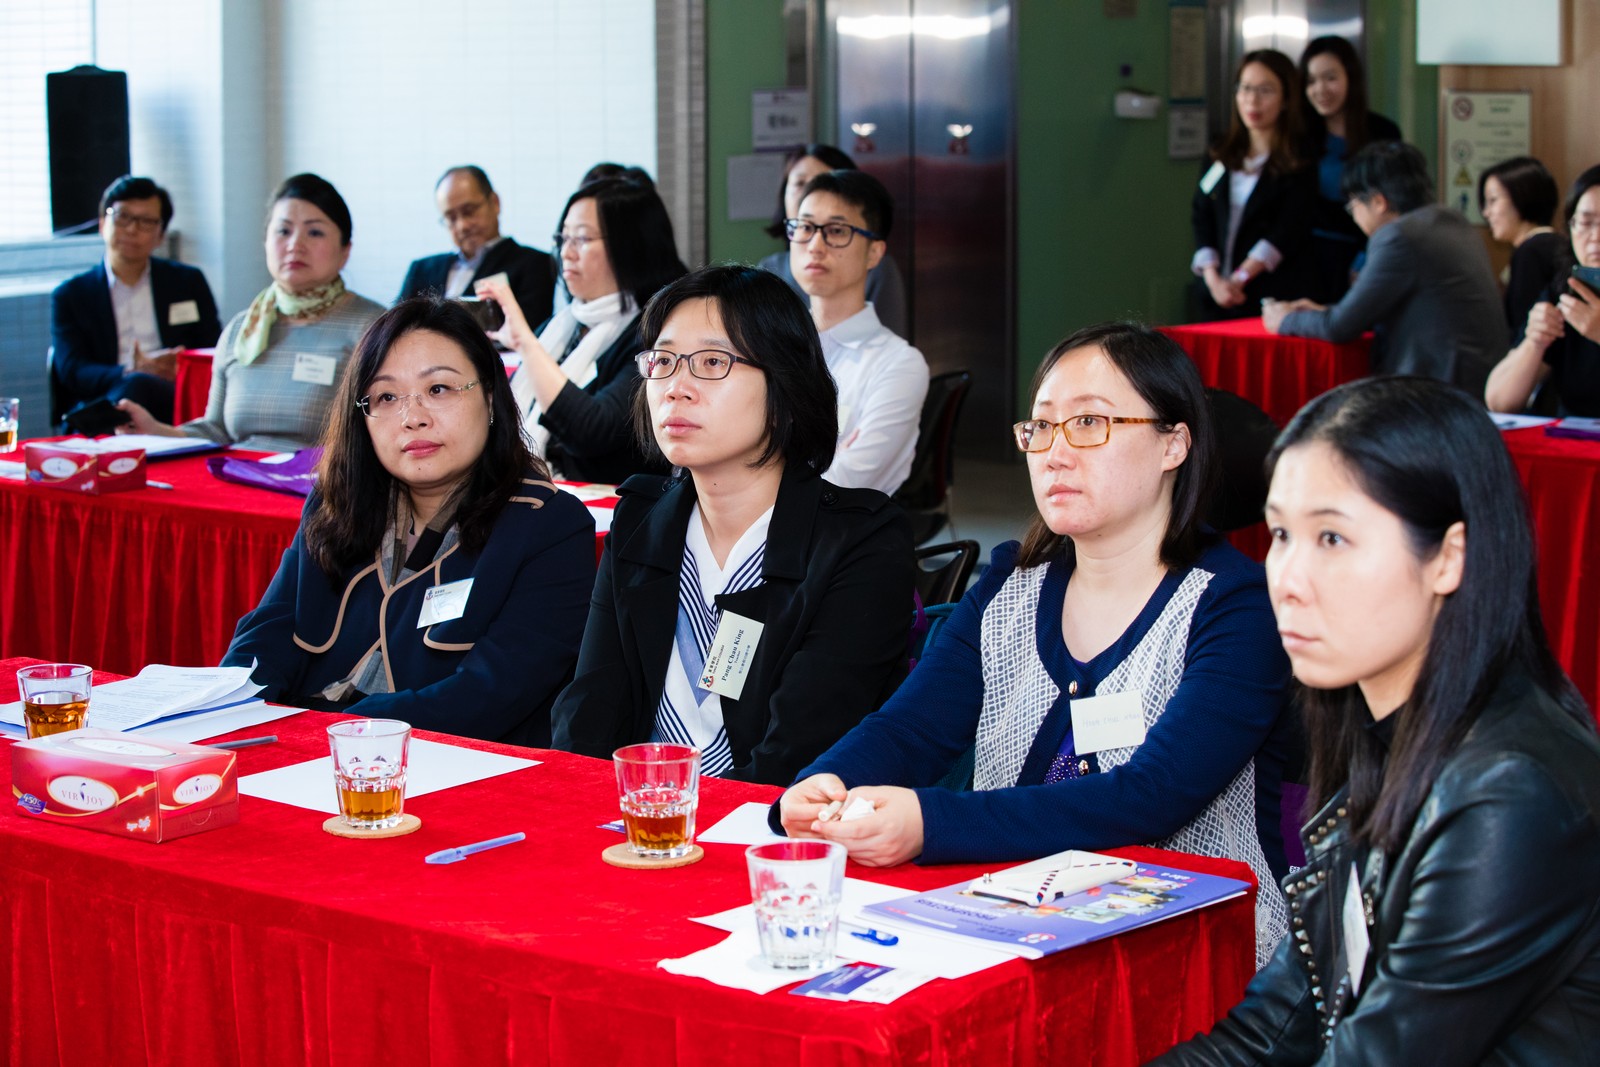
1480 130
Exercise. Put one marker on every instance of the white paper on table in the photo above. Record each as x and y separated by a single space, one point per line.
602 519
940 957
431 767
158 446
1508 421
590 491
216 723
744 825
1573 422
10 468
160 692
736 962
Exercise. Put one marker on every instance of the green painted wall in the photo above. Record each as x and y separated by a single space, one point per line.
1105 230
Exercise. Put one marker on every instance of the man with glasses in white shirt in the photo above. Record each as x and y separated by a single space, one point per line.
116 328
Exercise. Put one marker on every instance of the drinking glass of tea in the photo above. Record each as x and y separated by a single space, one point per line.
55 697
369 771
658 789
9 406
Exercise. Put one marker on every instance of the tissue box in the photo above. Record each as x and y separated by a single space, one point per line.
84 466
122 784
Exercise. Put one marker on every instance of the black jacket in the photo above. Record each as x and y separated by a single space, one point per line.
592 437
835 601
1279 211
83 328
1484 927
530 273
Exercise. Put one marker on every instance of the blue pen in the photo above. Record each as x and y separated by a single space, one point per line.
455 855
877 937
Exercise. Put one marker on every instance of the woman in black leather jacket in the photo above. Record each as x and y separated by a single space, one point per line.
1448 911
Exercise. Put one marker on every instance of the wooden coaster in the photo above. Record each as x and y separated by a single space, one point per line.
623 856
409 824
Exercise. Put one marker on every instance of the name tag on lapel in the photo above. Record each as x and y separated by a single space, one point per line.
183 312
728 659
1356 941
1115 720
314 369
444 602
1212 177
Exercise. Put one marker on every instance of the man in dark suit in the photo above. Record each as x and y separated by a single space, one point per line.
1427 289
470 208
116 327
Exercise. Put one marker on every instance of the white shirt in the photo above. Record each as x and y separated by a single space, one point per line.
134 308
882 383
459 280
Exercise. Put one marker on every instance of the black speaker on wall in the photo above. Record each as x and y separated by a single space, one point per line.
87 109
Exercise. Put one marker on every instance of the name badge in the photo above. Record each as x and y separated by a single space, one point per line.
1115 720
314 369
1356 941
1213 176
183 312
444 602
728 660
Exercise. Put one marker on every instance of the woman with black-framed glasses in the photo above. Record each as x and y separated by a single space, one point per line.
1116 678
746 606
437 576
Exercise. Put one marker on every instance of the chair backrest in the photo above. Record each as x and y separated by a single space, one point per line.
947 580
52 390
1244 435
932 465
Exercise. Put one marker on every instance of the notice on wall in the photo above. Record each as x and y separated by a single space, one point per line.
1186 131
753 185
1186 51
779 119
1480 130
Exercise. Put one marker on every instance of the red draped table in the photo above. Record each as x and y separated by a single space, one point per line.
272 942
148 576
193 387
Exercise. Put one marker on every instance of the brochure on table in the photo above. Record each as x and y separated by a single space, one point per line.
430 767
161 696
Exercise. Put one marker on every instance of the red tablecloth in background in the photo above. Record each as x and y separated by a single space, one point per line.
149 576
272 942
1562 476
193 385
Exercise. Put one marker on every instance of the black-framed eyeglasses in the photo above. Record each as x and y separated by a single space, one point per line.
710 364
437 397
123 221
834 234
1086 430
578 241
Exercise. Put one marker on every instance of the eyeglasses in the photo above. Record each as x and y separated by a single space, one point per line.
1260 92
1586 224
710 364
1082 431
462 213
834 234
123 221
578 241
438 397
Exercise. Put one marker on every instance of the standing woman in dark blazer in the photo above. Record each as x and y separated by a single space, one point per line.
748 539
1251 209
1339 125
577 381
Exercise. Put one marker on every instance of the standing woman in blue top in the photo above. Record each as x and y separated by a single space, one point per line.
1250 212
1116 604
1339 125
437 576
748 540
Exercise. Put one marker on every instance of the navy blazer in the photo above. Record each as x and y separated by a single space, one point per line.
1279 211
530 273
491 673
83 327
835 601
592 437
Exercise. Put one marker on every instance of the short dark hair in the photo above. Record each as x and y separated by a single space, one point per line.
1395 169
770 325
472 171
320 193
1422 450
1530 186
1585 181
638 233
1356 134
128 187
357 492
860 190
826 154
1164 375
1289 133
616 170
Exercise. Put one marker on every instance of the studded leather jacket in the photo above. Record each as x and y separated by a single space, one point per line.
1483 929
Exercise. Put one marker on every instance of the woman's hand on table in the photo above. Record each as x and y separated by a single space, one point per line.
804 801
891 835
144 422
1582 312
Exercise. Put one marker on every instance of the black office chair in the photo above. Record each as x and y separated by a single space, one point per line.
1244 435
946 581
925 496
58 407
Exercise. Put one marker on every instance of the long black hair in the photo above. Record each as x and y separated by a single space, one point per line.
358 494
1164 375
637 232
1356 133
1288 143
1425 451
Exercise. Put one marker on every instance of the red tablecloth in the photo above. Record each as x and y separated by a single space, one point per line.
193 385
150 576
272 942
1562 476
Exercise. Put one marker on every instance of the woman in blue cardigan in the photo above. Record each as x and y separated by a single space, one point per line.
438 576
1117 675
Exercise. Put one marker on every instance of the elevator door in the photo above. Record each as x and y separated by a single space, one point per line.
923 95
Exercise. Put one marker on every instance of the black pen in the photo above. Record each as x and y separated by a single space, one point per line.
245 743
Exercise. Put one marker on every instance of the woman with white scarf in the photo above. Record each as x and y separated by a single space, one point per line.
577 381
